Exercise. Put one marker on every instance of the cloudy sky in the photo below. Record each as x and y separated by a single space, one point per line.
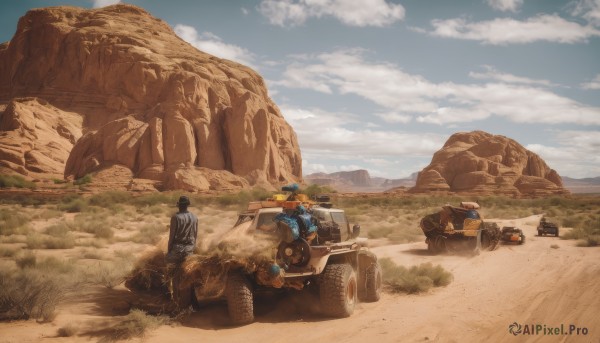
381 84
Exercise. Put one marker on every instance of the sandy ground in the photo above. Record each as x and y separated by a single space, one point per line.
528 284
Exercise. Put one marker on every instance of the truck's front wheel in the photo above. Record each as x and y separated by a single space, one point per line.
239 299
338 290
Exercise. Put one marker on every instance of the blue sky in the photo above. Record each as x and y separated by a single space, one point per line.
381 84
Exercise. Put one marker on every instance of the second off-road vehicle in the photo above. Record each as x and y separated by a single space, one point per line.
459 229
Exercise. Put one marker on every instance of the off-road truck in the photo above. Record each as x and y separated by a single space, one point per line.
459 229
335 264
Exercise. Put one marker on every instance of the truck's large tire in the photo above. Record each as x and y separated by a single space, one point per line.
338 290
239 299
373 282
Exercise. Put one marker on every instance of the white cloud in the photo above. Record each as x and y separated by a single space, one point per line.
245 11
104 3
594 84
350 12
212 44
575 155
491 73
588 10
393 117
404 94
330 135
505 5
503 31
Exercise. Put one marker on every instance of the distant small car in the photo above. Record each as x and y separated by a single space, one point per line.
547 228
512 234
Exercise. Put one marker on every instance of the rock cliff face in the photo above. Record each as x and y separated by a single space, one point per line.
481 163
143 98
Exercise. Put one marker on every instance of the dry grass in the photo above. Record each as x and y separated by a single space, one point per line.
35 289
416 279
136 324
68 330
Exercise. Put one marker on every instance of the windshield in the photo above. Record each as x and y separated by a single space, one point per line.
265 222
339 218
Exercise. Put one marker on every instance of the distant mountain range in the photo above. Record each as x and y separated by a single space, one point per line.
361 181
586 185
358 181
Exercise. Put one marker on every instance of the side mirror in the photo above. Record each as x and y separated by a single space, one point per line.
355 231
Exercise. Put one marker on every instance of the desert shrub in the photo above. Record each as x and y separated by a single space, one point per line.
589 241
91 254
68 330
8 252
11 221
39 241
149 234
87 178
30 294
73 206
55 265
26 260
110 273
48 214
415 279
17 181
58 230
99 224
587 232
109 199
136 324
91 242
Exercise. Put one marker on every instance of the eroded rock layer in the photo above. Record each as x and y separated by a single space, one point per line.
144 99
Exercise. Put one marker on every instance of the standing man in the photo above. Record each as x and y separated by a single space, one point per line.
183 232
182 240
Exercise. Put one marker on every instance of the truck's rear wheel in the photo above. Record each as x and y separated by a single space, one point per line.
373 282
338 290
239 299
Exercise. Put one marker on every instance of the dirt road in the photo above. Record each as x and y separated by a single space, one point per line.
529 284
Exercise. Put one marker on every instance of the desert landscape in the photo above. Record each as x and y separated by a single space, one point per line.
109 115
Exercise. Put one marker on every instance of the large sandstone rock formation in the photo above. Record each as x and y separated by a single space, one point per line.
481 163
143 98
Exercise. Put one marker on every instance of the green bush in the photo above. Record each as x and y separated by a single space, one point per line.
315 189
73 206
11 221
83 180
17 181
415 279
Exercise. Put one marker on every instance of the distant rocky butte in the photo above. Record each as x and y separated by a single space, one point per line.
85 91
481 163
